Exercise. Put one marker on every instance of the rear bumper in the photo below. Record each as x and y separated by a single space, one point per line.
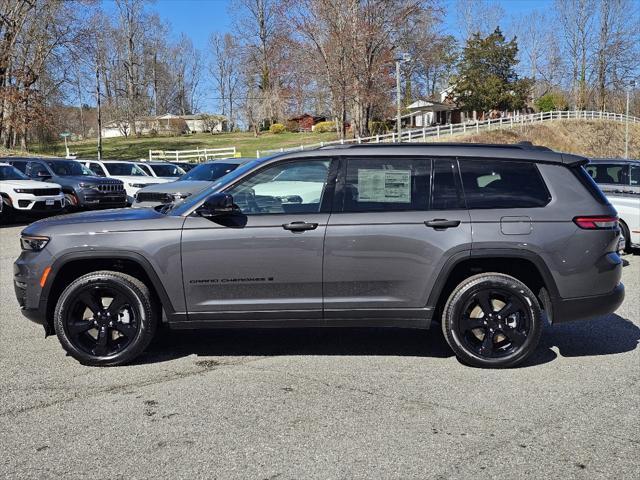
584 308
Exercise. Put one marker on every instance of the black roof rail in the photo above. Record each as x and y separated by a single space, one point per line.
519 146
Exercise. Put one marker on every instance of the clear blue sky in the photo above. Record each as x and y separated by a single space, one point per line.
198 18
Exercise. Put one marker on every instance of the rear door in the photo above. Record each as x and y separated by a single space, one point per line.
391 230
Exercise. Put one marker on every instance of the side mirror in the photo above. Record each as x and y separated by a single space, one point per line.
218 204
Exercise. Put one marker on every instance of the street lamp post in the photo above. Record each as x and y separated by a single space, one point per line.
405 58
626 130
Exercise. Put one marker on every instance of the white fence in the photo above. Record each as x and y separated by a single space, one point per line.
439 131
198 155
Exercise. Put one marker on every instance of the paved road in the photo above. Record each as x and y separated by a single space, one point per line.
321 404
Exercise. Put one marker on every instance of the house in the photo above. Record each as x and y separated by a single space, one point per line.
166 124
304 122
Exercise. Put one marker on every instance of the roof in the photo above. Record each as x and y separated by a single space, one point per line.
431 106
519 151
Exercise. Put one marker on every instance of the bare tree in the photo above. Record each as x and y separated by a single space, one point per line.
225 70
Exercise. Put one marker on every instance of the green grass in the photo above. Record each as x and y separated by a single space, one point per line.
135 148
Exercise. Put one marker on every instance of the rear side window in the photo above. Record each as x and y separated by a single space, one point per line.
587 181
608 173
386 184
503 184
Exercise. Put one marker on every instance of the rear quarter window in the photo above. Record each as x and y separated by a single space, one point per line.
503 184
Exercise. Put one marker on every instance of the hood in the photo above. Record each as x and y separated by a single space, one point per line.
86 179
99 221
146 180
182 186
26 184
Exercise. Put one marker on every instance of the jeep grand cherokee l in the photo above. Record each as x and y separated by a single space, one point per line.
81 187
486 239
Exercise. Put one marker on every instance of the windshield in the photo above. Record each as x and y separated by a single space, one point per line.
7 172
123 168
167 170
187 204
209 171
66 168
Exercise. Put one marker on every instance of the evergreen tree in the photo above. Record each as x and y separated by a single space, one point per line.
487 78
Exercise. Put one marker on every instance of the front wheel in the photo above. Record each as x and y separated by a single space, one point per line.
492 320
105 318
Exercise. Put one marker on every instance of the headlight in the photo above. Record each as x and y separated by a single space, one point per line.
22 190
140 185
87 186
33 243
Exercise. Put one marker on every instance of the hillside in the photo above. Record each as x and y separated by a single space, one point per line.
592 138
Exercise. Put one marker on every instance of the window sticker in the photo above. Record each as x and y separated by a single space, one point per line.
391 186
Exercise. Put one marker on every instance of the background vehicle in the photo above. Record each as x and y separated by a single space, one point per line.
133 177
619 179
20 193
486 239
165 170
191 182
81 188
186 166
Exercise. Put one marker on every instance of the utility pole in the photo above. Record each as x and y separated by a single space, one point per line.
404 58
99 110
399 102
632 84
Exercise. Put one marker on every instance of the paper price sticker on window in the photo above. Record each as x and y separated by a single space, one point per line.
390 186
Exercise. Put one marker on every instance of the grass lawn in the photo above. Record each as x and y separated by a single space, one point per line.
135 148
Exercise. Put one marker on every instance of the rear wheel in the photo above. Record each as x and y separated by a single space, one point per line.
627 237
492 320
105 318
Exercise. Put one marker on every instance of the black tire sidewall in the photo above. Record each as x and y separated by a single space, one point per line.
140 301
457 301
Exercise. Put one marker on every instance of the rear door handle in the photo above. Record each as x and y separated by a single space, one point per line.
299 226
442 223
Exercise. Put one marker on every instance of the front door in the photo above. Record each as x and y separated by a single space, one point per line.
267 262
389 236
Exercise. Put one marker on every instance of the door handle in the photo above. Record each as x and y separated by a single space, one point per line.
299 226
442 223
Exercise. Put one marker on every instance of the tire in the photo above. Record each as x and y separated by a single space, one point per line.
112 335
627 237
70 202
492 320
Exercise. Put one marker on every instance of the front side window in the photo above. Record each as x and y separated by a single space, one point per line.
126 169
146 169
66 168
445 194
167 170
502 184
96 169
291 187
386 184
607 173
37 169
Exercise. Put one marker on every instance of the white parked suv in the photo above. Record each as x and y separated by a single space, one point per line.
19 193
166 170
133 177
619 179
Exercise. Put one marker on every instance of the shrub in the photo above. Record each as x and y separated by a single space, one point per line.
552 101
378 128
323 127
277 128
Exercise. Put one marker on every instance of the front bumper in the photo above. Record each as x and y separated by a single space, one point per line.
584 308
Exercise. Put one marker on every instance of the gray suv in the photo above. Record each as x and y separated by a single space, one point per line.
81 187
486 239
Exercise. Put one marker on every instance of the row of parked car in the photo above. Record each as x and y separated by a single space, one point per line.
54 185
51 185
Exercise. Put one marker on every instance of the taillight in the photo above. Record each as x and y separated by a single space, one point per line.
596 222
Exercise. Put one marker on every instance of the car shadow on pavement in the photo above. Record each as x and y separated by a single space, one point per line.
172 344
603 336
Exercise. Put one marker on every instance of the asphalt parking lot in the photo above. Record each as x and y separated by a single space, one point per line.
321 403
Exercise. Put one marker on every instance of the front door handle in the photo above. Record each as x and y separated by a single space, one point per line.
442 223
299 226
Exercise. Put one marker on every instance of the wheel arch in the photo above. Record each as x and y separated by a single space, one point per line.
526 266
72 265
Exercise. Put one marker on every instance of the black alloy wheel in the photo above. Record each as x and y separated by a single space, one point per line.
492 320
105 318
